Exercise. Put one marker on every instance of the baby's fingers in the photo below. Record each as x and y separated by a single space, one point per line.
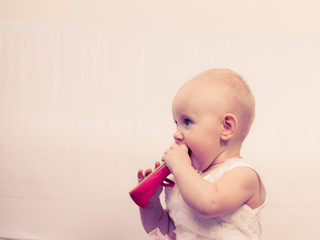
147 172
156 164
140 175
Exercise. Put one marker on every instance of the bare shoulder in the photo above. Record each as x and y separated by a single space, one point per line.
246 182
245 175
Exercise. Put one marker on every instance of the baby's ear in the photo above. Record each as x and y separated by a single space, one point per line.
229 126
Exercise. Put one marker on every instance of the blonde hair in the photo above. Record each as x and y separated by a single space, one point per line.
234 90
244 101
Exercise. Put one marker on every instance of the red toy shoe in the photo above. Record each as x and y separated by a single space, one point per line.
142 193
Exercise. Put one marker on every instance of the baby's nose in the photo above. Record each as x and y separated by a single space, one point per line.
178 136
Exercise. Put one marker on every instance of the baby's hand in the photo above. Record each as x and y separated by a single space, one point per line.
142 176
176 155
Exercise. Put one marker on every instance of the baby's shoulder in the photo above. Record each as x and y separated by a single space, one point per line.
248 181
243 175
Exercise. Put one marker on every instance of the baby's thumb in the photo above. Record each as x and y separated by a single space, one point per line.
184 147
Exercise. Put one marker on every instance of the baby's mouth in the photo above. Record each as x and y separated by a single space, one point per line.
189 152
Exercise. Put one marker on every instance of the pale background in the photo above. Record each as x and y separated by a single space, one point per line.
85 95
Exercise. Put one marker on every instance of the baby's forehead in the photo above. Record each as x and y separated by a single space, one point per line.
206 93
201 88
195 97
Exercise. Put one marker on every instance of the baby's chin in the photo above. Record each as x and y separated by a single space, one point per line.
196 168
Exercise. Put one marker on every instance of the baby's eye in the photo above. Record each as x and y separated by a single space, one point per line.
187 122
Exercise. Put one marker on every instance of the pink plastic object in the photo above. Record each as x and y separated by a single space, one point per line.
142 193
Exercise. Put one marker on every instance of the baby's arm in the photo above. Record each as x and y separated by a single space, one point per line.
154 216
233 189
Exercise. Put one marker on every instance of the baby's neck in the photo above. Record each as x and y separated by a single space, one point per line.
226 154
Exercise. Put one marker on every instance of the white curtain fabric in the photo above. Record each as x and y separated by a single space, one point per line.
83 107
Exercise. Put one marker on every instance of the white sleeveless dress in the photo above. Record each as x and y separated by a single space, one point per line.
241 224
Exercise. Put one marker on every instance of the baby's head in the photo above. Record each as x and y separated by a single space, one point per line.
219 98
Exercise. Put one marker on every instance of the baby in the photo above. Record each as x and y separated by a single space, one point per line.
217 194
